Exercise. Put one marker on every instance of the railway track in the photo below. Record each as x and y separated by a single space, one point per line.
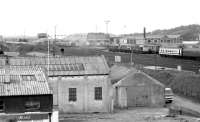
153 59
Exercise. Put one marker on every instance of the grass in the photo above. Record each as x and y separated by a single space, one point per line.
186 84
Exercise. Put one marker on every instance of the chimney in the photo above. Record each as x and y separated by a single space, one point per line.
144 33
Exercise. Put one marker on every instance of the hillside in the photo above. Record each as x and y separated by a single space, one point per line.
189 32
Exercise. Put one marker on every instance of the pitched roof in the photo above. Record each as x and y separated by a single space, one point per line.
16 81
155 36
64 66
134 77
173 36
163 36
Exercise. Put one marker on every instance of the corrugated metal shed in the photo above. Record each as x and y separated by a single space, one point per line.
64 66
22 80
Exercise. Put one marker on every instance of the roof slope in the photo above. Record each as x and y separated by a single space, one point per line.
64 66
134 77
16 81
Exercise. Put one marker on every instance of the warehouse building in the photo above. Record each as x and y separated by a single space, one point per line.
137 89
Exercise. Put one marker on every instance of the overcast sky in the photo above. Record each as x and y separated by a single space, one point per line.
82 16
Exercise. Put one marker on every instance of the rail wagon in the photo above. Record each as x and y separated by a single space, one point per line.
167 51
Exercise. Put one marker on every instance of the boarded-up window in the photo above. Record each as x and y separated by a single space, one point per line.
32 105
98 93
72 94
1 105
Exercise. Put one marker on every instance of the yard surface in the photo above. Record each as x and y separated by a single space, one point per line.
127 115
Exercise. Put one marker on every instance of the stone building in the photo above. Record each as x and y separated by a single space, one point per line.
80 84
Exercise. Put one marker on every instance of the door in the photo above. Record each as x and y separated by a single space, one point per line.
137 96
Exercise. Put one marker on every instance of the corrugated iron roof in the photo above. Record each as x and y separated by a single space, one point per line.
15 80
71 65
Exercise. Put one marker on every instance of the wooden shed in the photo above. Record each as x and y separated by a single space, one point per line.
137 89
24 90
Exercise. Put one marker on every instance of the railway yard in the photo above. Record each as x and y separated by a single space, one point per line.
143 59
138 59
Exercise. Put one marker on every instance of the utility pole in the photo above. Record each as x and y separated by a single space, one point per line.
48 55
131 56
54 40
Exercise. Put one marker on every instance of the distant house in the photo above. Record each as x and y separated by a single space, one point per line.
24 95
80 84
137 89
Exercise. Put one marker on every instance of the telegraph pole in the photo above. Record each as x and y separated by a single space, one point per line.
54 40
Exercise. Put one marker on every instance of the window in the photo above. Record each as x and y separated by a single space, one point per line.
28 77
32 105
1 105
72 94
98 93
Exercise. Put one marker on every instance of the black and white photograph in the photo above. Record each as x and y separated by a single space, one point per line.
99 61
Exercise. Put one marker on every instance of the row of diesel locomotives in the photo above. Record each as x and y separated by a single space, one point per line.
190 53
135 48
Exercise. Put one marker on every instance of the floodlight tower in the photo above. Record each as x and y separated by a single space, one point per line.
107 22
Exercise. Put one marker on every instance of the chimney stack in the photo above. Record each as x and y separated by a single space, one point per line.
144 33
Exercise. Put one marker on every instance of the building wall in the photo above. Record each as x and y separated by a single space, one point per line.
18 106
85 93
139 96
